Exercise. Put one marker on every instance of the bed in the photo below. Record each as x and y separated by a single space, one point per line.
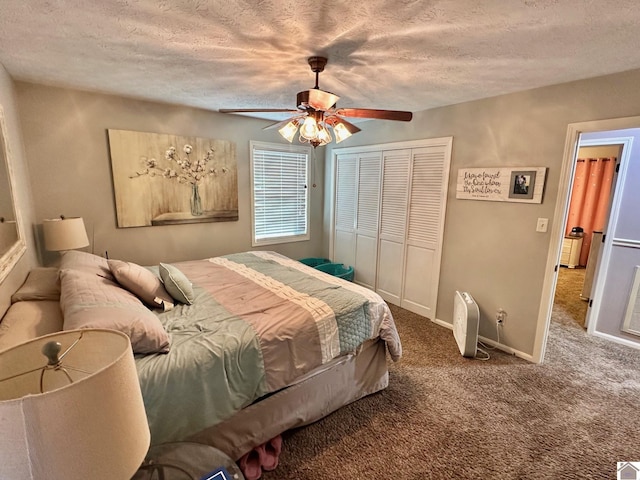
231 351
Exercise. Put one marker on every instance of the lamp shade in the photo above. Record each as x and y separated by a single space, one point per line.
64 234
288 131
94 427
309 128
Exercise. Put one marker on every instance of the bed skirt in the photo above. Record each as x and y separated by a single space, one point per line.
316 396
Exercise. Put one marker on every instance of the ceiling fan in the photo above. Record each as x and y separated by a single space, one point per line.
317 114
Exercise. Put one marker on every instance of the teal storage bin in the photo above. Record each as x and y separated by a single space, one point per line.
314 262
337 270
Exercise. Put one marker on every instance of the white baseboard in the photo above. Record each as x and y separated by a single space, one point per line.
613 338
493 343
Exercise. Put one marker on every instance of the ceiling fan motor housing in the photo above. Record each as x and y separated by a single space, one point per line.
317 64
302 100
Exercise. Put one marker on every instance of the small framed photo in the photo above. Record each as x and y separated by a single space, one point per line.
522 184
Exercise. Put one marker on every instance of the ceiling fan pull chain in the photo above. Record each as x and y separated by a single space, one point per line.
313 170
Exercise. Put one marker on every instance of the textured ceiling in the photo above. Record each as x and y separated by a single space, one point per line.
403 54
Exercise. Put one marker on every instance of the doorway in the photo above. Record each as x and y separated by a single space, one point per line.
588 211
616 131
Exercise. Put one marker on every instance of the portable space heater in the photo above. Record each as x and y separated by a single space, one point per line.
466 317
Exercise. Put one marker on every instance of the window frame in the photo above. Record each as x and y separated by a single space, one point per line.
279 148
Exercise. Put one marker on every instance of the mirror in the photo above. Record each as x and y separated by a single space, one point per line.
12 244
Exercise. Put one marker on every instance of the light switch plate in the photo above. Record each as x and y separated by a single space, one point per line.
543 223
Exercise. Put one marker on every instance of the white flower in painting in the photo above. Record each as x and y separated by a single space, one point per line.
188 170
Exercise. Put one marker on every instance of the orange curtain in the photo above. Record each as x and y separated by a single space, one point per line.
590 199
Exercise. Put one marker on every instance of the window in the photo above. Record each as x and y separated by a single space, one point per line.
280 209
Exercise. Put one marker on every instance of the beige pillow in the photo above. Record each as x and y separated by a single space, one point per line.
142 283
86 262
41 284
90 301
27 320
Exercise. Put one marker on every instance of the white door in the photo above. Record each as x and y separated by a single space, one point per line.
393 224
423 247
345 206
366 233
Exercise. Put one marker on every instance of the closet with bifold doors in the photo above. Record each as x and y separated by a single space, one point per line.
388 218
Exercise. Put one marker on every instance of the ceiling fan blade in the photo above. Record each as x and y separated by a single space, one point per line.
317 99
257 110
372 113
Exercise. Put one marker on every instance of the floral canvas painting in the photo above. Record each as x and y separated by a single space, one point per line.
163 179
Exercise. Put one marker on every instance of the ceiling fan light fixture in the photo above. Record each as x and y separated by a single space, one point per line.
341 131
309 128
322 131
289 130
324 135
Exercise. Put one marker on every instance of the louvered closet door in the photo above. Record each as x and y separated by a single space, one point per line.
393 224
345 209
389 219
368 201
429 177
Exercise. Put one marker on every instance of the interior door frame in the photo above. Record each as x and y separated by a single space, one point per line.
572 140
605 254
614 202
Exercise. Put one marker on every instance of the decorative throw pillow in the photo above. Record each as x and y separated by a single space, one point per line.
90 301
142 283
177 284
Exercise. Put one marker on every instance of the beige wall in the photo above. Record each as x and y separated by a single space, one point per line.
491 249
23 189
68 154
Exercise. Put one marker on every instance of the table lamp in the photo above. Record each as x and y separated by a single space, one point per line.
76 412
64 233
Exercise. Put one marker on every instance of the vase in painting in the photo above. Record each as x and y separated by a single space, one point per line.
196 201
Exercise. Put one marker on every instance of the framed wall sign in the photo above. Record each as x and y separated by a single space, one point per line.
501 184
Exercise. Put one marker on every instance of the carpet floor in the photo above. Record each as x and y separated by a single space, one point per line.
447 417
568 307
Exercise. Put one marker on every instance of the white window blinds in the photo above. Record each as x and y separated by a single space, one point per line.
279 175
